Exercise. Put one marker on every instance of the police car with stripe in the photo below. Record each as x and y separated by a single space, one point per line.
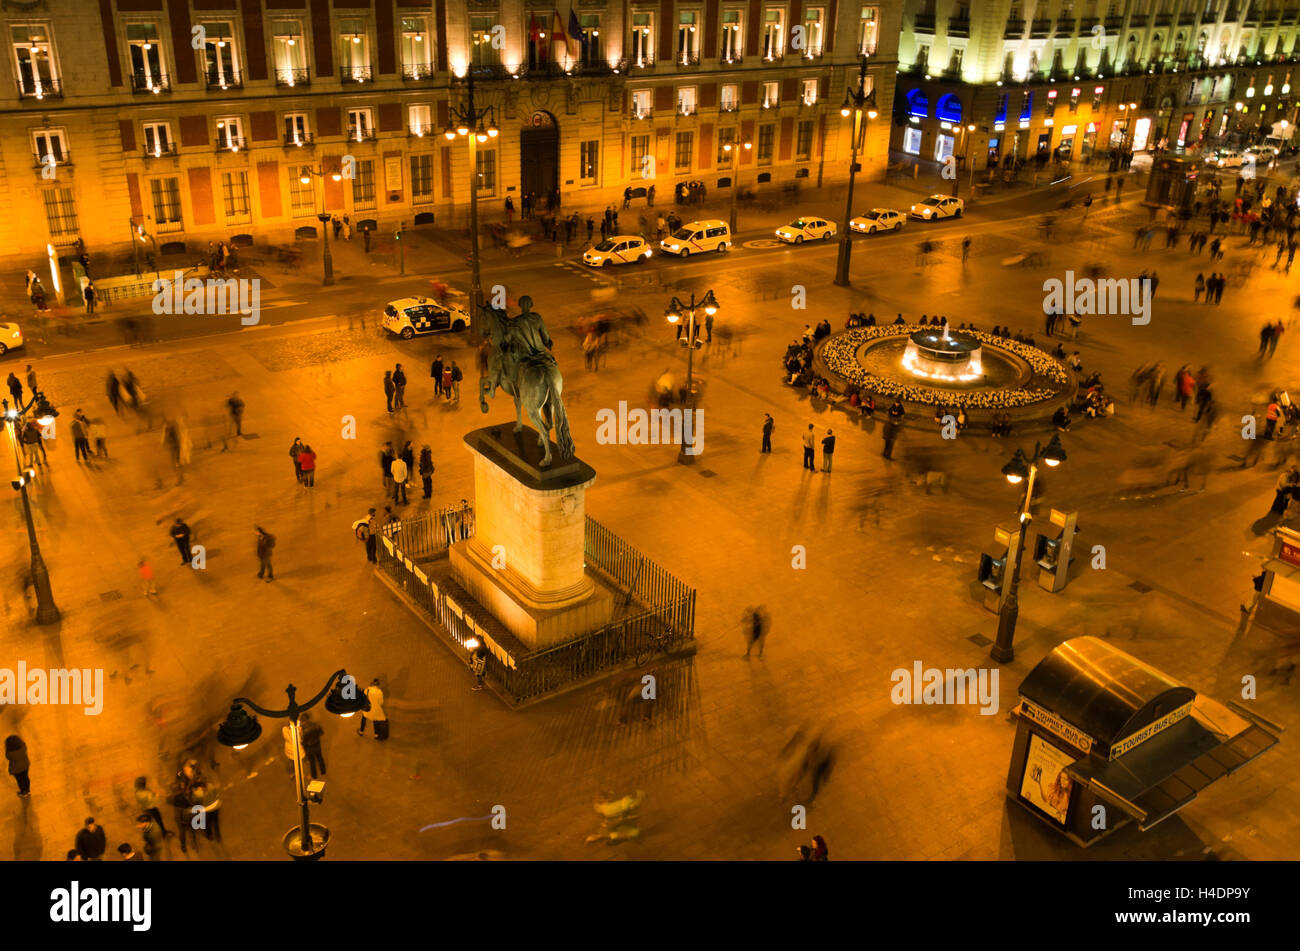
419 315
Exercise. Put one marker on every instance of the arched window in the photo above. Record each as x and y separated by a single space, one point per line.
917 104
948 108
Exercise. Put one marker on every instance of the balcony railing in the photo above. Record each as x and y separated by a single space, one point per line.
361 135
959 26
1252 17
44 89
1015 29
732 59
418 72
923 23
646 113
774 57
1065 26
42 162
1186 19
299 140
153 84
645 62
1232 13
1139 20
354 74
1086 24
1040 28
771 105
230 79
230 143
288 78
732 106
159 150
813 52
1164 19
686 111
1114 24
687 58
484 72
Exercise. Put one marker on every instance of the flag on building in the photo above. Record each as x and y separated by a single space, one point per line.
534 28
577 38
557 28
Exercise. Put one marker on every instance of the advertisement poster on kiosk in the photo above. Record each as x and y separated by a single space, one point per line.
1045 785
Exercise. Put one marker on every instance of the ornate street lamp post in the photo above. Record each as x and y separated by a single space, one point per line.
342 698
735 178
856 103
676 312
467 121
1018 470
308 174
47 612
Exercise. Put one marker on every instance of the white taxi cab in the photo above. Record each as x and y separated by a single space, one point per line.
877 219
11 338
620 249
419 315
806 229
696 237
938 206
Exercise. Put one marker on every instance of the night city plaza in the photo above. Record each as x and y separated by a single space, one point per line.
651 430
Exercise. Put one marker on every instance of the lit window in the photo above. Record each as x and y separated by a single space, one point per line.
420 120
34 55
686 100
417 48
220 65
290 53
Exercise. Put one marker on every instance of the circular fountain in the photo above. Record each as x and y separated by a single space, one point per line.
944 357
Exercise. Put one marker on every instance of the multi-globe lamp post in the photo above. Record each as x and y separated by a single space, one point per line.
47 612
1021 469
343 699
327 260
677 312
476 126
862 106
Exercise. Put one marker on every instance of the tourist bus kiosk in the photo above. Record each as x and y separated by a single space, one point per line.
1281 590
1102 739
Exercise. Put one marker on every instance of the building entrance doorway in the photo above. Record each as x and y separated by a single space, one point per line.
539 156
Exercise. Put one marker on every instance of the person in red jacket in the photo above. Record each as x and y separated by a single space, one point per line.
307 465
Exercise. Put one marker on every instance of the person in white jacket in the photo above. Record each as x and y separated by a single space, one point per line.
376 713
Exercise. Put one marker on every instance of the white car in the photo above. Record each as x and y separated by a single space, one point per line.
806 229
696 237
419 315
1224 158
938 206
11 338
620 249
877 219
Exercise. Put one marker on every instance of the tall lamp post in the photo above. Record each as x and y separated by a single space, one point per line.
342 698
47 612
735 177
856 102
1018 470
966 134
467 121
309 173
677 312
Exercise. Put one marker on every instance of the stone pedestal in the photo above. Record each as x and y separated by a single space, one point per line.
525 561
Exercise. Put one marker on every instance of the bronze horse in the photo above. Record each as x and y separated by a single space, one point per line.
519 361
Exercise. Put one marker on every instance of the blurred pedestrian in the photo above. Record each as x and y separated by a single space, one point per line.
478 663
80 436
114 388
294 450
307 460
390 389
99 433
16 390
435 371
809 449
399 388
456 377
755 629
146 577
180 533
182 804
265 543
371 536
311 734
386 457
447 382
426 471
19 764
128 853
147 800
828 450
153 839
91 841
768 425
376 712
208 795
820 852
235 406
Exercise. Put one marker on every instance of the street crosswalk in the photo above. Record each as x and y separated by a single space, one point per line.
584 272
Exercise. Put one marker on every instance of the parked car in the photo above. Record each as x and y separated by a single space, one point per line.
877 219
695 237
620 249
11 338
1224 158
419 315
938 206
806 229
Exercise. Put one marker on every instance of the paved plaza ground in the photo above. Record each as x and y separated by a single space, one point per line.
889 580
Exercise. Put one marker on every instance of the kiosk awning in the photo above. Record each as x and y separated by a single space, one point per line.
1165 773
